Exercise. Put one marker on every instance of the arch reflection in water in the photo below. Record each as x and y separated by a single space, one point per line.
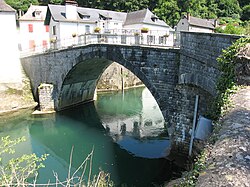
135 122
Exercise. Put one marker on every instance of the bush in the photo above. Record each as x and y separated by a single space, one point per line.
17 171
226 84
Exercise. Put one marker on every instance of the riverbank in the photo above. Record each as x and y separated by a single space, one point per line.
228 163
226 157
16 100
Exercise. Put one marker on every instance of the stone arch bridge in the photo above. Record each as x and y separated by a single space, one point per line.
173 75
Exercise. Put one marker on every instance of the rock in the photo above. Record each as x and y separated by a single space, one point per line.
230 156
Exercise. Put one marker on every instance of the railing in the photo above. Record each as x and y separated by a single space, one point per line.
111 37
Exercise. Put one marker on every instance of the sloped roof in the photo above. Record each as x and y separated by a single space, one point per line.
4 7
143 16
58 14
205 23
29 14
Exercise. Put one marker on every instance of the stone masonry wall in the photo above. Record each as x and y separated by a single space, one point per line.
199 51
198 73
46 100
116 76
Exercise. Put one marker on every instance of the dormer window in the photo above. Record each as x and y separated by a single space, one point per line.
84 16
103 17
37 14
154 18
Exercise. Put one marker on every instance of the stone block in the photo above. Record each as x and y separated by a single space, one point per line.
46 100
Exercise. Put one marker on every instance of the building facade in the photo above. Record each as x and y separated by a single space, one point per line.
10 67
69 24
194 24
34 35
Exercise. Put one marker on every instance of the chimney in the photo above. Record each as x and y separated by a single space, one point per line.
215 22
188 16
71 9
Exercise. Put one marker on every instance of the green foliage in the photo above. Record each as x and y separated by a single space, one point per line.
191 177
168 11
244 2
18 170
230 20
226 84
46 2
226 8
247 27
245 13
21 4
231 29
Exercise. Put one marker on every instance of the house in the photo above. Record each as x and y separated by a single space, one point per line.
34 35
154 29
10 67
69 24
194 24
70 20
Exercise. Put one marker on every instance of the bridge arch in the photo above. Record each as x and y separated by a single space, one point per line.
80 82
156 67
198 80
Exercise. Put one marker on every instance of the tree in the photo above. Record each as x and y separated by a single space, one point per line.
21 4
227 8
168 11
244 3
46 2
245 13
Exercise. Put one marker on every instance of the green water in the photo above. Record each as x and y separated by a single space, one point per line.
126 132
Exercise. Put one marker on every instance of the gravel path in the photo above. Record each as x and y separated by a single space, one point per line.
229 162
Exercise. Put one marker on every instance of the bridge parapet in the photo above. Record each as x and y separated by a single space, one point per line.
126 38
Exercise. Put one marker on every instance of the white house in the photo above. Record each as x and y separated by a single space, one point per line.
194 24
34 35
10 67
69 24
68 21
152 29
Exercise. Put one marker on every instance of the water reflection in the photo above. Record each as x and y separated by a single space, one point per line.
138 125
134 126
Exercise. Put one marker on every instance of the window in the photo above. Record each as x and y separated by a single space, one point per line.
115 23
32 45
84 17
45 43
87 29
30 27
123 39
54 30
150 39
47 28
36 13
162 40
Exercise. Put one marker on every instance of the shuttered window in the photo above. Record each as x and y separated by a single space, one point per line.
30 27
47 28
45 44
32 45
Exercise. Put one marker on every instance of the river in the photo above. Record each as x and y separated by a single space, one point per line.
125 131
